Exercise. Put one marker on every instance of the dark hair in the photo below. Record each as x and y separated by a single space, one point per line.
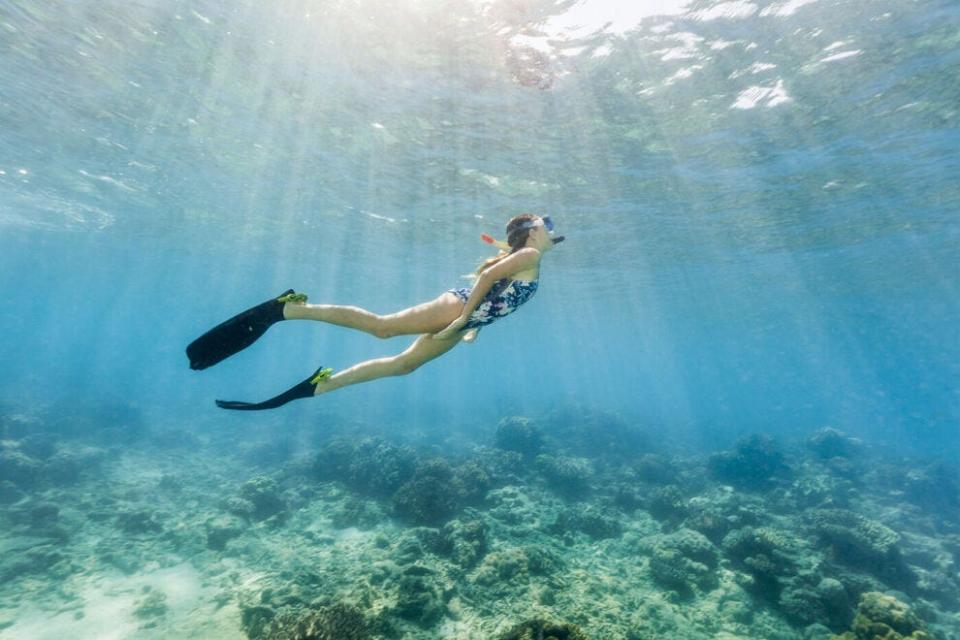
517 235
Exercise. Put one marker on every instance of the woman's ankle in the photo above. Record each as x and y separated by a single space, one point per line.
294 310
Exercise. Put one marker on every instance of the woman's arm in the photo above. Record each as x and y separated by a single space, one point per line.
522 260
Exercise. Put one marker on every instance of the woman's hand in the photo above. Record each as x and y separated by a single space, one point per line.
451 329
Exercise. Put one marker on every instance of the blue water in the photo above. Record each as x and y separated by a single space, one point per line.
759 237
760 201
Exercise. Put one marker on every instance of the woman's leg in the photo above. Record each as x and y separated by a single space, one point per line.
424 349
352 317
428 317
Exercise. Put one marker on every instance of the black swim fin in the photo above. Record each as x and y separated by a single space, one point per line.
303 390
239 332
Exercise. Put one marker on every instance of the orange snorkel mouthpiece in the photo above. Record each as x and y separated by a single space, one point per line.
499 244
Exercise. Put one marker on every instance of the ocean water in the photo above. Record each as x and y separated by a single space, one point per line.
732 409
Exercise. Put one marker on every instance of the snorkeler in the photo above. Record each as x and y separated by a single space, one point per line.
503 283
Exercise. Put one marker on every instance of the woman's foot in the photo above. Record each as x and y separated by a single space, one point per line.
321 381
292 298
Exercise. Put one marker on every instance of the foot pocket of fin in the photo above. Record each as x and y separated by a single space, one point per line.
295 298
320 375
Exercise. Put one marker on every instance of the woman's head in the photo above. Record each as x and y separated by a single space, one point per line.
524 230
531 230
518 230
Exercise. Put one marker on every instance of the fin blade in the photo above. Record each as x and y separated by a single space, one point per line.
234 335
303 389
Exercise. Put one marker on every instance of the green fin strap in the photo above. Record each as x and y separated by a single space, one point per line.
323 374
297 298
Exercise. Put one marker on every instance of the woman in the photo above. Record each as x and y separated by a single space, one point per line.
503 284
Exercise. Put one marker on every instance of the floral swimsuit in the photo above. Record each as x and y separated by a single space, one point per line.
503 299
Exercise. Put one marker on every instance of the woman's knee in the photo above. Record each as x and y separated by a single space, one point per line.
383 328
405 364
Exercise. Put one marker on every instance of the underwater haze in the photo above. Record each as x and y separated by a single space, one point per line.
732 410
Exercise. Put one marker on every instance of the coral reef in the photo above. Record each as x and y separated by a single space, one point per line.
863 543
594 521
357 512
672 570
544 630
39 461
883 617
511 570
766 555
222 529
814 488
682 561
419 599
520 435
508 565
602 436
753 463
802 605
472 481
336 622
370 466
429 498
465 540
655 469
832 443
854 536
567 476
715 513
934 486
668 504
362 539
259 499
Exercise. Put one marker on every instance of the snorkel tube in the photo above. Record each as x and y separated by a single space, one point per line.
500 244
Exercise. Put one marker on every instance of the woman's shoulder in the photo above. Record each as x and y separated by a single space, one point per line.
531 270
524 261
529 257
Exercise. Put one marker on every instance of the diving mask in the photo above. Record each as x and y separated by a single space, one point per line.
545 221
